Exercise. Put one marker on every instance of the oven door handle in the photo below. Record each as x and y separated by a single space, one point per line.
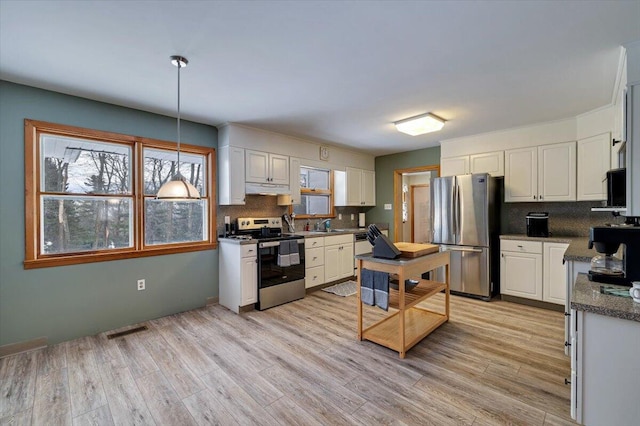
275 243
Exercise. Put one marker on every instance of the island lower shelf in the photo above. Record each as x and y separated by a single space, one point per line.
418 323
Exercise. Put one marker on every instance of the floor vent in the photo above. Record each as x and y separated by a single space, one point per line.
127 332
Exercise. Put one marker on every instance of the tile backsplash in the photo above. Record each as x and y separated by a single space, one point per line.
569 219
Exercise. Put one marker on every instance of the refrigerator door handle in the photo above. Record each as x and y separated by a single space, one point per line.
474 250
456 214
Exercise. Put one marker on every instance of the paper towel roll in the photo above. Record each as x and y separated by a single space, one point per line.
361 220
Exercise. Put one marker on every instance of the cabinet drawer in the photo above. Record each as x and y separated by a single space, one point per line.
314 276
521 246
248 250
338 239
314 257
314 242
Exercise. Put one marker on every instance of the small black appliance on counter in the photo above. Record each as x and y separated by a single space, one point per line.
538 224
617 188
607 240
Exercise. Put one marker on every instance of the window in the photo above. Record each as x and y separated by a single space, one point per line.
90 196
315 193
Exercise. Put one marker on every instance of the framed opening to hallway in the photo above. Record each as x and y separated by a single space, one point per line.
402 198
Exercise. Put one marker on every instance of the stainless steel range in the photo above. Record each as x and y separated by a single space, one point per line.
280 260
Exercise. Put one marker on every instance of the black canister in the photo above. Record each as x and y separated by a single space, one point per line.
538 224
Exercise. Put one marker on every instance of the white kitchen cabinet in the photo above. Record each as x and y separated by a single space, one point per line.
354 187
604 369
554 273
294 182
338 257
572 270
263 167
486 162
521 269
231 176
593 164
314 261
453 166
543 173
238 274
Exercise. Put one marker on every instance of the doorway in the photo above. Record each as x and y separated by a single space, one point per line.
411 193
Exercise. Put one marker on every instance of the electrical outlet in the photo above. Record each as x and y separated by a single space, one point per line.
141 284
353 216
339 216
387 206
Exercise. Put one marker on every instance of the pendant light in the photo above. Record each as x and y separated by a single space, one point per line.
178 188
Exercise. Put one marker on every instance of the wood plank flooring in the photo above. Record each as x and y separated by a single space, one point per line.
299 364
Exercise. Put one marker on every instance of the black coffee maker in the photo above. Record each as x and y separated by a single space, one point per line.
607 240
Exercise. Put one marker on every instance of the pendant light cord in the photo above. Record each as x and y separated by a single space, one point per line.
179 66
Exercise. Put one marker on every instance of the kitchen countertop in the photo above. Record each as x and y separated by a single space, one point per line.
586 296
578 246
236 241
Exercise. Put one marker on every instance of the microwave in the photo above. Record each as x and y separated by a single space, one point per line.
617 187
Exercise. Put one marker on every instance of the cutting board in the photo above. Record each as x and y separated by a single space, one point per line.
416 250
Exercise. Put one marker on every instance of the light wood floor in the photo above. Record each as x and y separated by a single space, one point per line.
299 364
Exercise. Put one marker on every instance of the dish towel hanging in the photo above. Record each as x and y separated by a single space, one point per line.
284 259
374 288
294 253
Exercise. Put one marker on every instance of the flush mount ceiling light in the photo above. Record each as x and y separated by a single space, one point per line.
178 188
420 124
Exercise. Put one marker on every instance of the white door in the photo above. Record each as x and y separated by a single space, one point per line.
593 163
420 214
554 284
557 172
294 185
521 274
279 169
346 260
331 259
256 166
237 175
354 186
454 166
488 162
521 175
249 278
368 188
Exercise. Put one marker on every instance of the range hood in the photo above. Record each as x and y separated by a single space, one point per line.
267 189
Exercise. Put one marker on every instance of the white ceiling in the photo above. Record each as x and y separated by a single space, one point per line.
337 72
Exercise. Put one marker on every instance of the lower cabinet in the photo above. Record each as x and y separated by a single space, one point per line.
533 270
573 269
238 275
314 261
338 257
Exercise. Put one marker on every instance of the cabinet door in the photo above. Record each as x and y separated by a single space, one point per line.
368 188
593 163
454 166
521 175
231 175
488 162
249 280
331 266
557 172
256 166
554 274
279 169
521 274
314 276
294 180
346 260
354 186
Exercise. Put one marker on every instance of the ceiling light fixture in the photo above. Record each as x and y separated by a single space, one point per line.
420 124
178 188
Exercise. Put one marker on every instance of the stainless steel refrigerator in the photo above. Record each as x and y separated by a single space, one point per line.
464 222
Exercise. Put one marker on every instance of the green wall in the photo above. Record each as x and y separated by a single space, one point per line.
385 166
67 302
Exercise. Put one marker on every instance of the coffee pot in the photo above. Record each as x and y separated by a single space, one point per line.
608 266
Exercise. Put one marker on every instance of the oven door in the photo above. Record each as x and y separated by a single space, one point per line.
270 273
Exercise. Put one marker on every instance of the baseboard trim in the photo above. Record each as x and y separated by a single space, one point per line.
212 301
534 303
27 345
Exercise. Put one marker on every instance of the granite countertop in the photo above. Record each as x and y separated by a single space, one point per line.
578 246
586 296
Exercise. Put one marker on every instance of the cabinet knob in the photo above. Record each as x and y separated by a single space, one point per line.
249 251
567 314
534 197
567 344
541 197
567 381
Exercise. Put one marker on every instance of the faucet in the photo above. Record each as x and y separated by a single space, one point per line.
319 223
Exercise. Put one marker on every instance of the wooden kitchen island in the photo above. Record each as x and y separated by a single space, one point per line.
409 324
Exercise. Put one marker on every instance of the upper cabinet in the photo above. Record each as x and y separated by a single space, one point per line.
294 184
355 187
263 167
593 164
543 173
488 162
231 176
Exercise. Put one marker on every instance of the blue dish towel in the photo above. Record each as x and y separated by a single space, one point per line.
284 259
294 253
366 287
381 289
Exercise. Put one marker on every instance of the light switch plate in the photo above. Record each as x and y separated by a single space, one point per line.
387 206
